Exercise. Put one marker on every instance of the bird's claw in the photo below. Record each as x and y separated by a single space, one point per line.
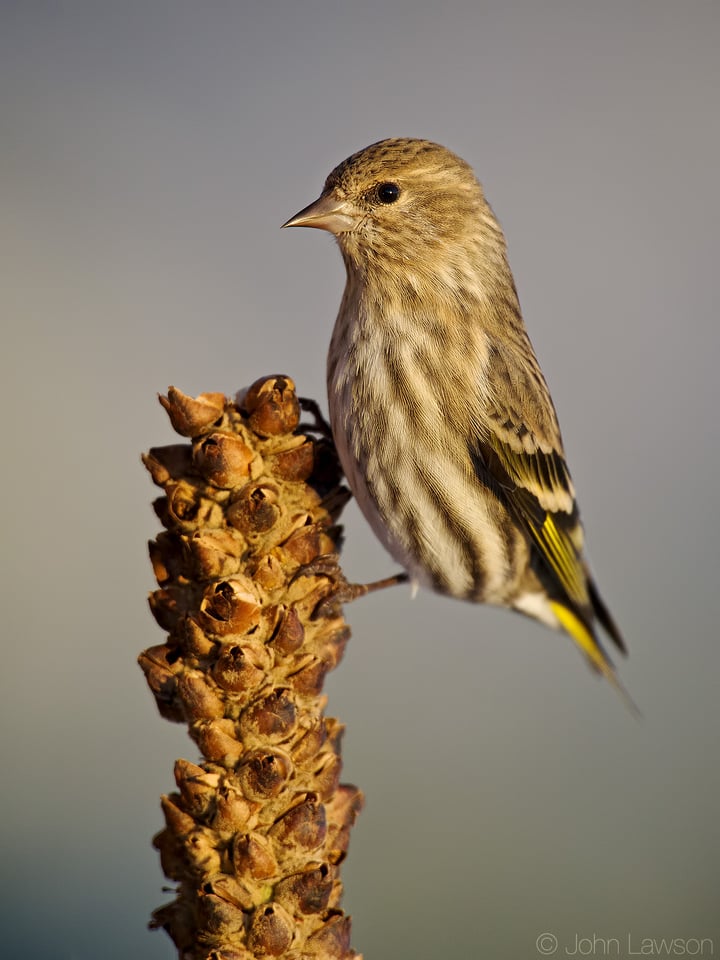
321 425
341 590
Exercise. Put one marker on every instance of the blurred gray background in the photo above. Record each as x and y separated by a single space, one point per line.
150 152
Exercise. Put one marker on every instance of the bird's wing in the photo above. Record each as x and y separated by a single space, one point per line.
519 453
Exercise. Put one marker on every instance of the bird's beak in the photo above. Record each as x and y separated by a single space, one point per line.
326 213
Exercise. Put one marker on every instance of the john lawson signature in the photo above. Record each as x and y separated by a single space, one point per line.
630 946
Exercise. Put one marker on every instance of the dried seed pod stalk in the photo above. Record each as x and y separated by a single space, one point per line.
254 834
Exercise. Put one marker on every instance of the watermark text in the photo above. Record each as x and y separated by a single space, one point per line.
630 945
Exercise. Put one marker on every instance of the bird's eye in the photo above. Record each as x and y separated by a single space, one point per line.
387 192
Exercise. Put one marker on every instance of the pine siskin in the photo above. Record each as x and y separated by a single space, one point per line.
440 413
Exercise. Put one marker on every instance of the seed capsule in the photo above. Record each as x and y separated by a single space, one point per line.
223 459
197 787
331 941
172 854
230 606
271 930
187 509
310 743
269 572
214 553
232 813
224 903
342 811
241 668
179 823
308 543
307 892
168 463
296 462
273 718
264 774
255 511
166 606
201 852
190 415
199 699
272 406
310 678
327 776
167 556
218 742
303 827
253 856
290 634
193 638
161 676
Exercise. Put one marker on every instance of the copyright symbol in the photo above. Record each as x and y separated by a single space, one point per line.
547 944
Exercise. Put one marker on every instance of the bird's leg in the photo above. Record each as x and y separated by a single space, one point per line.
341 591
321 425
327 565
354 590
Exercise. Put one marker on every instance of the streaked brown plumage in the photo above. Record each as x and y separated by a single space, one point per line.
441 415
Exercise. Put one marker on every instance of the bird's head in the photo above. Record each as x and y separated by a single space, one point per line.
402 201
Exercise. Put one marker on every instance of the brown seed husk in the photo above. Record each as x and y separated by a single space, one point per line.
255 833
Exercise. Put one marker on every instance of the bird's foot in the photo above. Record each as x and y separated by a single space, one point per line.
341 591
321 425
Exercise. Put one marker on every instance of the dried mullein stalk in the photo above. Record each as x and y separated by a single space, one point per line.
255 833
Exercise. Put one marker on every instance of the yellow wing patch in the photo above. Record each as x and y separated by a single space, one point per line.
540 494
559 550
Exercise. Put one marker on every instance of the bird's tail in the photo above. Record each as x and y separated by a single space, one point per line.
584 637
603 615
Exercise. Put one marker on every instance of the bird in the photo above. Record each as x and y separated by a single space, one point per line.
440 413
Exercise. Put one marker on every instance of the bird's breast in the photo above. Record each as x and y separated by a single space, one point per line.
403 400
